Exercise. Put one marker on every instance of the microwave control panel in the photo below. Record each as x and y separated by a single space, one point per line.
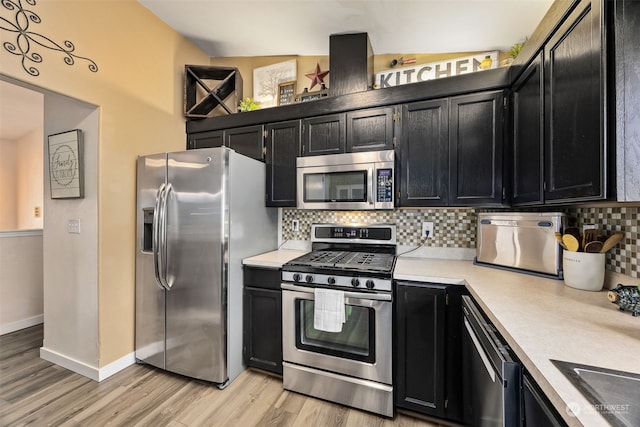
385 185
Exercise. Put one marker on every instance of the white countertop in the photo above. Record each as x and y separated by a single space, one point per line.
543 319
273 259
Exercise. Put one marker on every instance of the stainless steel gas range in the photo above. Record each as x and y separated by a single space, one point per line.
337 317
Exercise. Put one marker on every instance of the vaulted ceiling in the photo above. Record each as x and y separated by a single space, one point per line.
303 27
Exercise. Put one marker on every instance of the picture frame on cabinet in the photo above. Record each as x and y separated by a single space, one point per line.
266 81
66 165
286 92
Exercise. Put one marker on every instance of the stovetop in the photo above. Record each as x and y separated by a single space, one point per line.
346 256
346 260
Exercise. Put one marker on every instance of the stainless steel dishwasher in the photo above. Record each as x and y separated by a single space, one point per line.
492 377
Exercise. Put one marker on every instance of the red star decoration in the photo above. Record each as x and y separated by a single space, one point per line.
316 78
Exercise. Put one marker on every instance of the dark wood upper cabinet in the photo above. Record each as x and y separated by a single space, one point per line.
282 148
627 89
423 151
210 139
528 136
575 107
451 151
370 129
324 135
476 125
248 140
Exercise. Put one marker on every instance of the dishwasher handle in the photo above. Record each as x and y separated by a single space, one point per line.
480 350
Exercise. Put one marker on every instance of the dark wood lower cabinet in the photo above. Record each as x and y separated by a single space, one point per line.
428 356
262 325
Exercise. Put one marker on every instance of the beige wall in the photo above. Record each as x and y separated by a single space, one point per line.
8 189
30 180
307 65
21 182
138 89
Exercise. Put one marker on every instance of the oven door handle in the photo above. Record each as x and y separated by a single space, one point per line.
347 294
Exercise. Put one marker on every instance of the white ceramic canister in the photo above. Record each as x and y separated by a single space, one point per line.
583 270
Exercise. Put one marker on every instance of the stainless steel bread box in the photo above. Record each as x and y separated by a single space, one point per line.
522 241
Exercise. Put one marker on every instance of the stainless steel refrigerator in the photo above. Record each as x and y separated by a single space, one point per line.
199 212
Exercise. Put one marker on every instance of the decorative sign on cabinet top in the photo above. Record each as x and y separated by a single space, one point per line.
436 70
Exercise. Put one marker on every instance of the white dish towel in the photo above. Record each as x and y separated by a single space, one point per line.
328 313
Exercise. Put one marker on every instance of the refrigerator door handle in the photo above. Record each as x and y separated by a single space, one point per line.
165 260
158 220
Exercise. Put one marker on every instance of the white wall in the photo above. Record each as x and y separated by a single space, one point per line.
21 297
71 260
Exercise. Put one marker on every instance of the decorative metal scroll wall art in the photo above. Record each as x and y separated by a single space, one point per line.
26 40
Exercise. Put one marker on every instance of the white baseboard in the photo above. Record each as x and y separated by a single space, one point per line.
21 324
91 372
116 366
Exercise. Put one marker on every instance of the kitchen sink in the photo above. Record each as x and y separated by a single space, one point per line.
614 394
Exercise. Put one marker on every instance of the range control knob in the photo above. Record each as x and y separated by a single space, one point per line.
309 278
355 282
331 280
297 277
370 284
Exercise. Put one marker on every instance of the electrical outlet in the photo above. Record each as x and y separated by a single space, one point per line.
73 226
295 225
427 229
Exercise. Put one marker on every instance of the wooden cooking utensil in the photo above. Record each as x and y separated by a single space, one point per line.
560 242
571 242
611 242
587 237
593 247
574 231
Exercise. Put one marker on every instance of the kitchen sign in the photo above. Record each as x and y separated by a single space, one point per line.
436 70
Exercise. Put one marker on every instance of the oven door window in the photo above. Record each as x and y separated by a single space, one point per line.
335 187
356 341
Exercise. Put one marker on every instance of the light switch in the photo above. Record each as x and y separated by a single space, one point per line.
73 226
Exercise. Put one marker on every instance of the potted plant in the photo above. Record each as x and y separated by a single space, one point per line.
248 104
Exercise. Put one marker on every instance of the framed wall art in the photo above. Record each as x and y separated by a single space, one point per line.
66 175
266 81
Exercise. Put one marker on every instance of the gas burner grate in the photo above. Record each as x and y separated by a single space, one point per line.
347 260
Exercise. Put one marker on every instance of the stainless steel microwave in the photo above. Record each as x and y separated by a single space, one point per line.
349 181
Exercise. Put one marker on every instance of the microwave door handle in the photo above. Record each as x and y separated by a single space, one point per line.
370 185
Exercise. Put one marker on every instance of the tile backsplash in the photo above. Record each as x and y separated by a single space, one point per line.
456 228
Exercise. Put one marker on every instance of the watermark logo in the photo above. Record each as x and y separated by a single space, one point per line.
574 409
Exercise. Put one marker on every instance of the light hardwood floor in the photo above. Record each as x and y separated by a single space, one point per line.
36 392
